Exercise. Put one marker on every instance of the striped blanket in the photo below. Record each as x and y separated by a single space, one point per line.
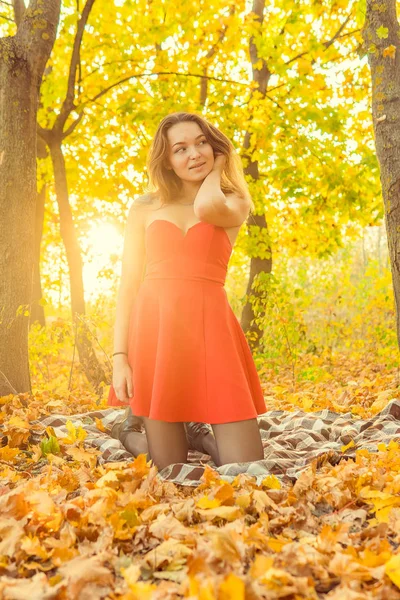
291 440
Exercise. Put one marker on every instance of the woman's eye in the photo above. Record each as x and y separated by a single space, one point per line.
182 148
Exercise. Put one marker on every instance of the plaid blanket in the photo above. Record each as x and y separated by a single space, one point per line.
291 441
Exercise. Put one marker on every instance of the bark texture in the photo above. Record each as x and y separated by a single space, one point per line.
37 311
381 34
23 58
257 264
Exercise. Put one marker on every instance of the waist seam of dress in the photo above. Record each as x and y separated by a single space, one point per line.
184 277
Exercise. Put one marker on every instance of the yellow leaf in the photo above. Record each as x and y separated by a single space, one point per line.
371 559
392 569
261 565
131 574
200 591
108 478
32 546
206 502
76 434
224 493
271 482
383 502
81 455
277 544
229 513
210 476
304 66
243 500
8 454
307 403
231 588
18 423
99 424
140 466
349 445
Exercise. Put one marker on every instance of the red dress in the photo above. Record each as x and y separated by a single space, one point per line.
189 356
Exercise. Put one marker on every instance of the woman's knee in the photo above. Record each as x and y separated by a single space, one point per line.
238 441
167 442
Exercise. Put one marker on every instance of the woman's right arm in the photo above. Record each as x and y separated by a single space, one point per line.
133 260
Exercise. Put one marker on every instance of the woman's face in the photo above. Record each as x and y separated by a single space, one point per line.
188 149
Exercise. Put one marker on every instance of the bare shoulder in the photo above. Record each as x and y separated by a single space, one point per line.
145 202
140 208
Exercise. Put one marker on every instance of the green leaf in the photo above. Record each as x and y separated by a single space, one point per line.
50 446
382 32
131 517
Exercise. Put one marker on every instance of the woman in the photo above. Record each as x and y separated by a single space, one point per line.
180 353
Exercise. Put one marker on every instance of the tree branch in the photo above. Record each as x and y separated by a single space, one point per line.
210 54
327 44
73 125
7 18
19 9
125 79
37 31
106 64
68 104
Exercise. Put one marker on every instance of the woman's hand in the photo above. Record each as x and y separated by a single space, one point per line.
219 162
122 379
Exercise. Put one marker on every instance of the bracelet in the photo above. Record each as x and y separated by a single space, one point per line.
126 354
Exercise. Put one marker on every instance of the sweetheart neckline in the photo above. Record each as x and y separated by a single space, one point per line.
184 235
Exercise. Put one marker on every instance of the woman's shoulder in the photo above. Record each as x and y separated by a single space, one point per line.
149 200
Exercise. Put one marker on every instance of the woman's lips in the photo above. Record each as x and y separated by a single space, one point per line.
198 166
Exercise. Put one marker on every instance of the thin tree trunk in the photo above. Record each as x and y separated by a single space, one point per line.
87 355
22 63
54 138
381 38
37 311
257 264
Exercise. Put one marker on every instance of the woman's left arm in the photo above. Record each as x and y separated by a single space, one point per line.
213 206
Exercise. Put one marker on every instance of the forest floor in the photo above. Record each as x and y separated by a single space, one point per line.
73 529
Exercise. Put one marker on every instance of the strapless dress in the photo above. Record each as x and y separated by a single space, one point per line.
189 356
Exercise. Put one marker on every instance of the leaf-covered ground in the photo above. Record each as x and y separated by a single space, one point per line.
71 529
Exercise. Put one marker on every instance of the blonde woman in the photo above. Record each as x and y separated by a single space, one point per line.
180 356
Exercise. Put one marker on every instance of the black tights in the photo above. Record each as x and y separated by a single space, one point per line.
165 443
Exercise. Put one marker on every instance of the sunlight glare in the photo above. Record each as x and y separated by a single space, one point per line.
104 250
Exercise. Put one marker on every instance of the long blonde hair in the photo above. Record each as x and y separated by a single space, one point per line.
165 184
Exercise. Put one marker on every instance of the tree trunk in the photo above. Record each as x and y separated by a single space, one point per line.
257 264
385 73
37 310
87 356
23 58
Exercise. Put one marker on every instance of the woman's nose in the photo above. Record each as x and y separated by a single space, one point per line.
194 152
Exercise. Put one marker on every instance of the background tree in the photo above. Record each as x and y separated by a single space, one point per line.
381 34
54 137
23 58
